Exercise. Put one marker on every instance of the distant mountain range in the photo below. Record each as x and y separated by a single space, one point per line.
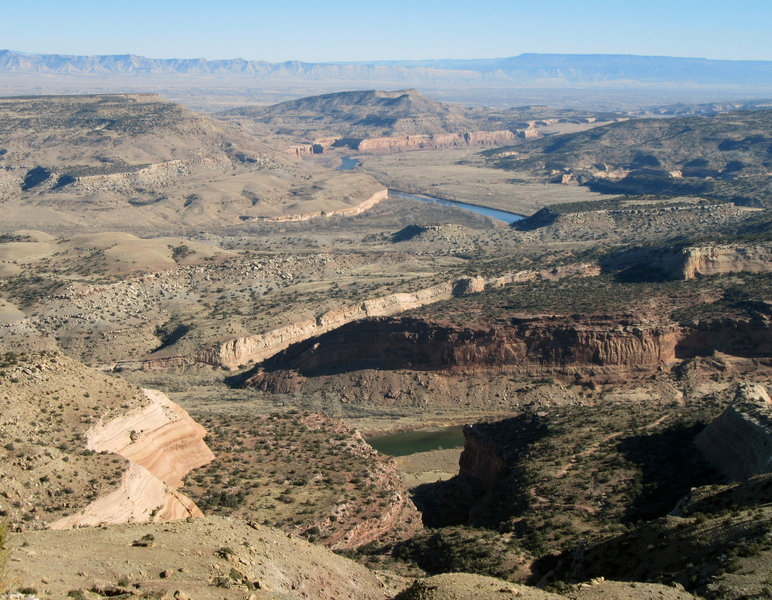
523 70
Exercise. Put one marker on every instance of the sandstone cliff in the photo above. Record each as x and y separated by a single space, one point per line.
433 142
162 443
609 349
256 348
720 260
739 441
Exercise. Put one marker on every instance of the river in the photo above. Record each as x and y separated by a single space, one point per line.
348 163
507 217
422 440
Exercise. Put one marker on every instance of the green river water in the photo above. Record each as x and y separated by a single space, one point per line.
424 440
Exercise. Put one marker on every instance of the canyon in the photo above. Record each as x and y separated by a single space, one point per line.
238 352
249 312
601 350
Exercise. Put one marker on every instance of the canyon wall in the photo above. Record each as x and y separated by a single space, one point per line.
481 460
257 348
436 141
689 262
163 443
606 349
600 349
720 260
739 442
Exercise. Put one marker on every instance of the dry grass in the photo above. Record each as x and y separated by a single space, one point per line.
4 553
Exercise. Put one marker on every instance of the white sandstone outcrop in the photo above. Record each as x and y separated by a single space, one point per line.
163 443
351 211
720 260
256 348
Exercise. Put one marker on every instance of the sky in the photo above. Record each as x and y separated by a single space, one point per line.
362 30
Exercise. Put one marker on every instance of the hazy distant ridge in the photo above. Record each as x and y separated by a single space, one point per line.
524 69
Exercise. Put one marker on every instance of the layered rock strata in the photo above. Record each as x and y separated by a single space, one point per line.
256 348
436 141
162 443
588 349
721 260
739 442
608 350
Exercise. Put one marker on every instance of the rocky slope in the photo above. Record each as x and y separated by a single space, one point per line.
228 559
269 466
208 558
463 586
739 442
90 449
722 155
724 533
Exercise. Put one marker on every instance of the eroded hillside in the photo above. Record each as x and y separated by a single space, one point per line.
137 162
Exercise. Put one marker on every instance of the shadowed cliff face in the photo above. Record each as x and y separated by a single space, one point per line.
750 339
739 441
602 349
534 345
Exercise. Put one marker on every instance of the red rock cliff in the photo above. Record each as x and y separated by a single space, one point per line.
610 349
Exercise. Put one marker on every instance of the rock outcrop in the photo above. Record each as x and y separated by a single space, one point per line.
373 200
481 459
609 349
162 443
720 260
432 142
140 497
739 442
256 348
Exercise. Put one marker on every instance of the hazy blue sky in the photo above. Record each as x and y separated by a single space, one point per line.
393 29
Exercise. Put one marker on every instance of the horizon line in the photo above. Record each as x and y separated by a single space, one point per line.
386 60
